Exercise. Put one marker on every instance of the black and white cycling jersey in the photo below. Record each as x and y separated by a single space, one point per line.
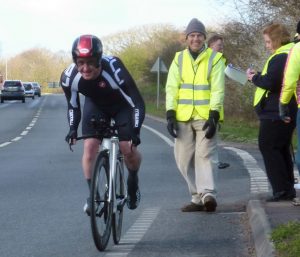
114 86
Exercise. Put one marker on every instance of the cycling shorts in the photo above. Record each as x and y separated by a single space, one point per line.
121 113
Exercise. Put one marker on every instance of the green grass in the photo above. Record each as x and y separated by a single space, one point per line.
239 131
286 238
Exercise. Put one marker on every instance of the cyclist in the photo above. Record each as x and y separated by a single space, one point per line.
110 92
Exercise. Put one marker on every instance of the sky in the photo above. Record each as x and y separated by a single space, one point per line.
54 24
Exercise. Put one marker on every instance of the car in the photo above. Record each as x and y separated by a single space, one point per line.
13 90
29 89
37 88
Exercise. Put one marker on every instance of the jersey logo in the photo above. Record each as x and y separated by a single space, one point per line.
116 70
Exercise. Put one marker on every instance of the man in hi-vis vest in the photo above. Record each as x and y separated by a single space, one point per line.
194 104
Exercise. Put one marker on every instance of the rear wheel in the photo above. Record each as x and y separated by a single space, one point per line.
101 208
120 198
23 100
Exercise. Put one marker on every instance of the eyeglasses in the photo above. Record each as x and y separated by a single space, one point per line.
90 63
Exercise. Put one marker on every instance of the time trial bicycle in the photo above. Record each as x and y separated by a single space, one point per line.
108 193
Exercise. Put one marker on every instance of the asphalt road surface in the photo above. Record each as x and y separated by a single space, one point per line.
42 193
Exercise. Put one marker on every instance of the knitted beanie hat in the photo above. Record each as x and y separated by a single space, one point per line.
195 26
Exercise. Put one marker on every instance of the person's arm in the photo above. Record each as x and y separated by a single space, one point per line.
291 75
73 102
217 86
172 86
272 79
130 88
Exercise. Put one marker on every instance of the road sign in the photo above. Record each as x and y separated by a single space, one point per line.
158 67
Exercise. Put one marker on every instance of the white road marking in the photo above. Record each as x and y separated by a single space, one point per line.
16 139
24 133
5 144
134 234
162 136
258 180
29 127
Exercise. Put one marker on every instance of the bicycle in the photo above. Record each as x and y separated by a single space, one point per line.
108 193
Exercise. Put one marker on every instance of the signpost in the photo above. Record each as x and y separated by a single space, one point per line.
158 67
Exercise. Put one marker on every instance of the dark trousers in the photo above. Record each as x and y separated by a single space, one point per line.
274 141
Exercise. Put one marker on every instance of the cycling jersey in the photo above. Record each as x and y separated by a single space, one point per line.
113 87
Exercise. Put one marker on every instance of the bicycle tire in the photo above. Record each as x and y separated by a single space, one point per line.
120 201
101 208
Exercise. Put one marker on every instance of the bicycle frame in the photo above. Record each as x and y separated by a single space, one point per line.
112 146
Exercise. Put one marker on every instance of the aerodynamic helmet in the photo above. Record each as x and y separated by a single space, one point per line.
87 46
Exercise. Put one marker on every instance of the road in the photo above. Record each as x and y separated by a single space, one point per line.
42 193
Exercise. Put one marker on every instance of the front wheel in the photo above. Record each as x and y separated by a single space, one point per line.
101 207
120 201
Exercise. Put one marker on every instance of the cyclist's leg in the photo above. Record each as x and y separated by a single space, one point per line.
132 156
90 145
123 119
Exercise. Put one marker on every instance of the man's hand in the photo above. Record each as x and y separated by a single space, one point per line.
211 124
172 123
136 140
284 113
71 137
135 137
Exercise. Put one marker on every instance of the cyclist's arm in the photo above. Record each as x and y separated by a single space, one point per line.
73 102
130 88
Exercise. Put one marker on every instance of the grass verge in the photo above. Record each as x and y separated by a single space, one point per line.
286 238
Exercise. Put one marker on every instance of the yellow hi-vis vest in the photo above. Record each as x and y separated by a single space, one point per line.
260 92
290 84
194 88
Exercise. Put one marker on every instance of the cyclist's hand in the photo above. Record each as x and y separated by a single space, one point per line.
71 137
136 139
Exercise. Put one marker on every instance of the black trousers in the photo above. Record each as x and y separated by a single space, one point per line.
274 141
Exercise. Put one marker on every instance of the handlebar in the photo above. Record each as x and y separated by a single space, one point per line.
104 129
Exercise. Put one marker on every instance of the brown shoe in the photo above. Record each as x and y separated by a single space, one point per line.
210 203
192 207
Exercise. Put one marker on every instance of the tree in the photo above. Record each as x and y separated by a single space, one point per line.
139 48
37 65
